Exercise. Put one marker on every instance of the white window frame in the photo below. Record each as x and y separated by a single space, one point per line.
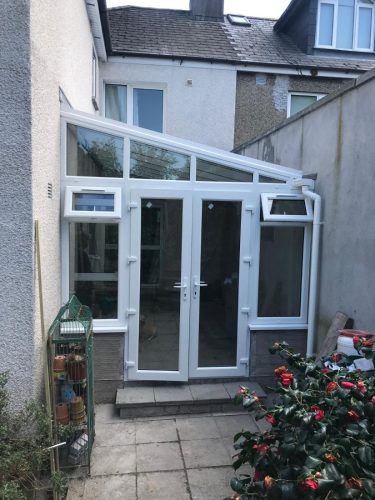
358 4
307 94
91 216
130 86
268 217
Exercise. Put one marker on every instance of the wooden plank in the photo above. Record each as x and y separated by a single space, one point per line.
330 342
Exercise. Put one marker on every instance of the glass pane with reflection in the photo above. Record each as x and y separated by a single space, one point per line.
159 320
214 172
280 271
92 153
220 254
93 267
150 162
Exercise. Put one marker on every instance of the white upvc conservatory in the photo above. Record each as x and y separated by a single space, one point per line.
183 248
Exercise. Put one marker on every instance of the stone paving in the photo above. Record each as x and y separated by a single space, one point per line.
174 457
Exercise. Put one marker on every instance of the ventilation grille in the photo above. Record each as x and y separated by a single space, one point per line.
49 190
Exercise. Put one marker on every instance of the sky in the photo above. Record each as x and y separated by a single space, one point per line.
256 8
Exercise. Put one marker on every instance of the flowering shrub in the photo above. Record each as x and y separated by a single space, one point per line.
321 441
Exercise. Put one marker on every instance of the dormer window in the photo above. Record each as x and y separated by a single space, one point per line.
240 20
346 25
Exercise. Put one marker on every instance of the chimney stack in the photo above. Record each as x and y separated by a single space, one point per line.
207 10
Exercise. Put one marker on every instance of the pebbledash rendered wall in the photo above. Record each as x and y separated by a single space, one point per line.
335 139
262 99
45 46
16 231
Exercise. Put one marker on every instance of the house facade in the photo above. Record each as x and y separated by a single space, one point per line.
103 120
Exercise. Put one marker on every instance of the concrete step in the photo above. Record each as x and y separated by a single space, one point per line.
178 399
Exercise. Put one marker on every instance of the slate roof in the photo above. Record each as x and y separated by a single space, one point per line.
170 33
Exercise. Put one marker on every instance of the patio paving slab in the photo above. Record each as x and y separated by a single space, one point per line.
113 460
162 486
209 392
205 453
115 434
111 488
172 394
197 428
157 457
76 489
231 424
210 484
135 395
155 431
106 413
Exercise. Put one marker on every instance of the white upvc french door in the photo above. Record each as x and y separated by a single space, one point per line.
221 266
158 314
190 264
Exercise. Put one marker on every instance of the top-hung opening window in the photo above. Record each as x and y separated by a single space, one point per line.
346 25
286 207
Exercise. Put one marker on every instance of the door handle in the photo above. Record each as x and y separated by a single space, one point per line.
197 284
182 286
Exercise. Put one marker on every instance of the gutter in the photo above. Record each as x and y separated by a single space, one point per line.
306 184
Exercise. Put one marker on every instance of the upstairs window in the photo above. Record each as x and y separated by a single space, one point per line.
135 105
346 25
297 101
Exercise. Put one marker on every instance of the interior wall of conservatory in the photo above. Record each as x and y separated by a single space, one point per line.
199 98
187 269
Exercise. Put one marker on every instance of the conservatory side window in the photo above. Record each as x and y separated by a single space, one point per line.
93 267
346 24
280 270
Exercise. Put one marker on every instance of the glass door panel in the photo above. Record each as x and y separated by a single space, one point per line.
218 305
158 324
159 318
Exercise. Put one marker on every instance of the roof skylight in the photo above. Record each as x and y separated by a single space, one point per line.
240 20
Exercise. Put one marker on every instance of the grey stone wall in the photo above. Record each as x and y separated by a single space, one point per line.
261 101
16 222
335 139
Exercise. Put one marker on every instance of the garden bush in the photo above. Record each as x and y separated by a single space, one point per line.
321 439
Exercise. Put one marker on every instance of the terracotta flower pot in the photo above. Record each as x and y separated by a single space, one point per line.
77 405
62 413
77 368
59 364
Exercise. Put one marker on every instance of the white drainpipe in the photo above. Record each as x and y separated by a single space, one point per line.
313 289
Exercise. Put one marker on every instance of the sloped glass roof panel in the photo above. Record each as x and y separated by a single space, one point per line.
151 162
214 172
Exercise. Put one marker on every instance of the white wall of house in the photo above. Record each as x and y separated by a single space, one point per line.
201 111
61 57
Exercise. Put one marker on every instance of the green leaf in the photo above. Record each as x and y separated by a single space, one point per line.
312 462
287 491
330 472
351 493
366 455
237 485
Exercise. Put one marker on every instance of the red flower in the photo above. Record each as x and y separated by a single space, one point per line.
373 400
367 343
356 340
330 457
286 378
336 357
261 448
325 370
319 413
353 415
310 484
348 385
242 391
361 386
355 483
279 371
271 419
332 386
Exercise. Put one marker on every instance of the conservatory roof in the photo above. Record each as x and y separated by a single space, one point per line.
261 171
